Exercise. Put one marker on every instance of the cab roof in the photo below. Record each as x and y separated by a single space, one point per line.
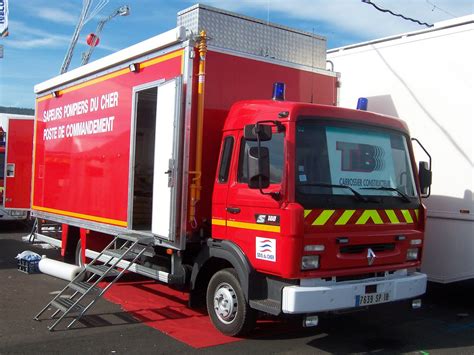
250 111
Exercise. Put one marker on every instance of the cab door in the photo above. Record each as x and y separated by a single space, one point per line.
18 163
221 187
253 218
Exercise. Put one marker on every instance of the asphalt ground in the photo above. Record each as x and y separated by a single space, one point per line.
444 325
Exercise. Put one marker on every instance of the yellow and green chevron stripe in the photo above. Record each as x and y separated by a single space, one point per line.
341 217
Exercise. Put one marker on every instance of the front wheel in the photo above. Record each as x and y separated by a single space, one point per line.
226 304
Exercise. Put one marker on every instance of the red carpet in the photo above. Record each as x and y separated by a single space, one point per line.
165 309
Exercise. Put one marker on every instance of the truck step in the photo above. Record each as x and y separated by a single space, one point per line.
65 304
83 287
267 305
135 237
101 270
125 254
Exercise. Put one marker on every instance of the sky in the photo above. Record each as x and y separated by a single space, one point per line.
41 30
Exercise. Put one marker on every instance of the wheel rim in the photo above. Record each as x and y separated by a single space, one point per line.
225 303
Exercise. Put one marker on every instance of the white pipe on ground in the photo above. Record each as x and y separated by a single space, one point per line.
59 269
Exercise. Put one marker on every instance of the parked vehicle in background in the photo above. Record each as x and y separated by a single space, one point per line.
16 152
426 77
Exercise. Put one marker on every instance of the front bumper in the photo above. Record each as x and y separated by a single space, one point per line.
322 298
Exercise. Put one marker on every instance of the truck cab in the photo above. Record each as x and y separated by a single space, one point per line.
324 204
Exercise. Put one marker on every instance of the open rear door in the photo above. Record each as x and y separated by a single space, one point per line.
167 153
18 161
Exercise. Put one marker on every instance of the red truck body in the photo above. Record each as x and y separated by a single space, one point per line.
117 151
71 179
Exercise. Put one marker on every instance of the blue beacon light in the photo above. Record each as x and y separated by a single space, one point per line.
362 103
279 92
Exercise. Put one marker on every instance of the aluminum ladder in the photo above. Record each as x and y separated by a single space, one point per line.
85 294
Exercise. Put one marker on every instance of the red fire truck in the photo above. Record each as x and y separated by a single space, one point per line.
252 203
16 147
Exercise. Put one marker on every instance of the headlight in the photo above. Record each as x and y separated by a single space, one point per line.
310 262
412 254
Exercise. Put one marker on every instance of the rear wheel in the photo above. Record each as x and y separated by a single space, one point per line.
78 254
226 304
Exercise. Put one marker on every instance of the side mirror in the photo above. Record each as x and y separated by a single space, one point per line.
255 132
259 168
424 177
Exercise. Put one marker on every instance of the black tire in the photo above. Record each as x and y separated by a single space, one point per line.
226 304
77 254
79 262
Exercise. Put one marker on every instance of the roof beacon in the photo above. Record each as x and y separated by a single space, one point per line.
362 103
279 91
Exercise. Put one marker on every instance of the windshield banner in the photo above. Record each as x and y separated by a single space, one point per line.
359 159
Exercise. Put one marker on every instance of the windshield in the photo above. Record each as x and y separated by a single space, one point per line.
351 164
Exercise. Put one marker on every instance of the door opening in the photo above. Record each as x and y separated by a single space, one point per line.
146 101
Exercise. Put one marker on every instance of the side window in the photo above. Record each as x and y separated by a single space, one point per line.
276 148
226 156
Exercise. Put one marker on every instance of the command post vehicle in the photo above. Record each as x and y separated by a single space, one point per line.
426 77
16 151
254 204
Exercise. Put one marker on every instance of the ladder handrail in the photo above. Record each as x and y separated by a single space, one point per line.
95 283
74 279
110 284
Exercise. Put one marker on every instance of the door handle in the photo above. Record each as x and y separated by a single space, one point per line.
233 210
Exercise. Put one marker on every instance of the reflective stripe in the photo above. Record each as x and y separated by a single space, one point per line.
369 214
253 226
407 215
82 216
323 217
392 216
115 74
218 222
345 217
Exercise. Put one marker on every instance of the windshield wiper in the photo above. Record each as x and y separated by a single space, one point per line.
356 194
384 188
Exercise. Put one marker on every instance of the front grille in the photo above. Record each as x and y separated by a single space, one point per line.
376 248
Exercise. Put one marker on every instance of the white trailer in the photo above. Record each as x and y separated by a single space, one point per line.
427 77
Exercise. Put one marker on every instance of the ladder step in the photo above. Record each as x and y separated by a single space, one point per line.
64 304
133 237
125 254
101 270
140 245
83 287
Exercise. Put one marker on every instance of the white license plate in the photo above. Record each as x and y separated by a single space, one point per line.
371 298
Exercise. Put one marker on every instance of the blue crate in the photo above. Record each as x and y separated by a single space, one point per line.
28 266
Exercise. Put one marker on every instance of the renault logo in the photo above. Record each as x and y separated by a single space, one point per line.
371 256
